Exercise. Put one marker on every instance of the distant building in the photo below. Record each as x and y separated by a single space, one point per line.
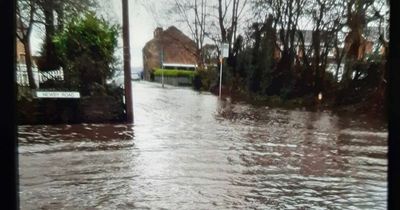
20 53
169 48
20 50
369 42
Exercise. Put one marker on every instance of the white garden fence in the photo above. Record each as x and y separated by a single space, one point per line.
39 77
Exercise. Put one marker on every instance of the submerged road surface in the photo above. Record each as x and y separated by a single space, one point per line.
187 150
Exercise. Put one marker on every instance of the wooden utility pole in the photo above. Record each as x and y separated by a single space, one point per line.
127 62
220 75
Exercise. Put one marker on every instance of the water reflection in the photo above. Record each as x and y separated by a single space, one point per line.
191 151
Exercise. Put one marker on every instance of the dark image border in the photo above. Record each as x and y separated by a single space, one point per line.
8 134
394 108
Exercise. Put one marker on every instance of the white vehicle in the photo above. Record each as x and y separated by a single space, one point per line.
135 77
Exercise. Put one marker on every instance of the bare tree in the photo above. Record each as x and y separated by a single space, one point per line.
326 16
286 16
356 21
194 15
339 53
229 13
26 12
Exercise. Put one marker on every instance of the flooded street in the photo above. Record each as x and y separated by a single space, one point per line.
188 150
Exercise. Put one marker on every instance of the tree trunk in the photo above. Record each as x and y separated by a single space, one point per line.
338 58
60 17
28 60
51 61
348 71
221 21
317 61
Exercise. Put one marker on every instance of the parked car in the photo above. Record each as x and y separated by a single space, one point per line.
135 77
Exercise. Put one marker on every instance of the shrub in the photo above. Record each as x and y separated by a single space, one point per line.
175 73
86 50
207 78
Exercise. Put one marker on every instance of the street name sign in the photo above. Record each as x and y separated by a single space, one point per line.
225 50
224 54
57 94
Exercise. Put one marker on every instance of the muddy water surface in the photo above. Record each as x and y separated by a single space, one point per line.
187 150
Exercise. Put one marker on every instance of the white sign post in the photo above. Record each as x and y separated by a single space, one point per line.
224 54
162 67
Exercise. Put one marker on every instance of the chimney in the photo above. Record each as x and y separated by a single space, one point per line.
158 32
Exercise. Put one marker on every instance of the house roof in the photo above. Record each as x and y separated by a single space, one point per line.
177 47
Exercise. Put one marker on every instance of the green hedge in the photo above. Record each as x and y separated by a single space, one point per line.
174 73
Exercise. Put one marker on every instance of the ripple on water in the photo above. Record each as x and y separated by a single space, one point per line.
191 151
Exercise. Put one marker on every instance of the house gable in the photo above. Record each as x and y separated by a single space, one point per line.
169 46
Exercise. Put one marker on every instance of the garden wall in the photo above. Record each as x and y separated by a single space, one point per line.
90 109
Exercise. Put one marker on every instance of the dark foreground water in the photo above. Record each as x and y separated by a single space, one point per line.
190 151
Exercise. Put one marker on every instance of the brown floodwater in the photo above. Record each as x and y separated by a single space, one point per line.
189 150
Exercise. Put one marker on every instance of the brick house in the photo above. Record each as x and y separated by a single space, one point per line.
169 48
